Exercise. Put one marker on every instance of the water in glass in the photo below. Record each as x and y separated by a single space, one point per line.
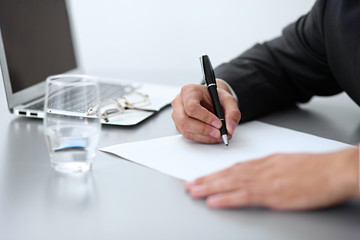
71 140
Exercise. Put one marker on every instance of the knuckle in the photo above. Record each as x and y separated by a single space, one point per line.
219 185
208 119
182 123
185 89
246 196
237 180
204 130
191 109
243 180
187 135
200 180
175 102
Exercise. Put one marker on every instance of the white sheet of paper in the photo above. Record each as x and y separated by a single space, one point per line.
181 158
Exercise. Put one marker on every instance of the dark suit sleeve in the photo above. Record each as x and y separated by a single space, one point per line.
282 72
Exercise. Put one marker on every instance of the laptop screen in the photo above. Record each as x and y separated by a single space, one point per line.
37 40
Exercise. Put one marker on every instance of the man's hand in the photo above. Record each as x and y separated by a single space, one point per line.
283 182
193 113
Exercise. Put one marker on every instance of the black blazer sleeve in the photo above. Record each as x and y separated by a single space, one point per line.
284 71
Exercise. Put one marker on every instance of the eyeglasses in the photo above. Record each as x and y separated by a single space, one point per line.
111 107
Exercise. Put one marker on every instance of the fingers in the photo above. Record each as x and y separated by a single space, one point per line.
201 138
191 128
231 112
197 104
230 107
211 177
193 117
215 187
277 182
233 192
237 199
241 168
237 186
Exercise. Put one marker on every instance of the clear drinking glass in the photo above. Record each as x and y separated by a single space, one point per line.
71 133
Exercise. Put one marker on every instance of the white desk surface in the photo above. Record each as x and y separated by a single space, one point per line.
123 200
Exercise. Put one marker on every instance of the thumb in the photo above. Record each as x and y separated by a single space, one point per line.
231 112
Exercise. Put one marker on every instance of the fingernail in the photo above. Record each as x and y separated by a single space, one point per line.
216 124
188 185
215 134
198 190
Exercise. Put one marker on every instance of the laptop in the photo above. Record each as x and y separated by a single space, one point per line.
36 41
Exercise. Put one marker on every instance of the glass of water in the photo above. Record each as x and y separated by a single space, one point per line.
71 133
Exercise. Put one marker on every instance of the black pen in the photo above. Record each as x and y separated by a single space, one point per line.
210 80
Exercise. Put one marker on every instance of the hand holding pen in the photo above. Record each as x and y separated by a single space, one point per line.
193 113
209 77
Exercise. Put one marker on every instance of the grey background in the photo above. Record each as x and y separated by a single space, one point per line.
123 200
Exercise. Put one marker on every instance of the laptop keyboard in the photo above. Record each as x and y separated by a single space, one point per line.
106 91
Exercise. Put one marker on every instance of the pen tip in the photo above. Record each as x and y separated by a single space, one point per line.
225 139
